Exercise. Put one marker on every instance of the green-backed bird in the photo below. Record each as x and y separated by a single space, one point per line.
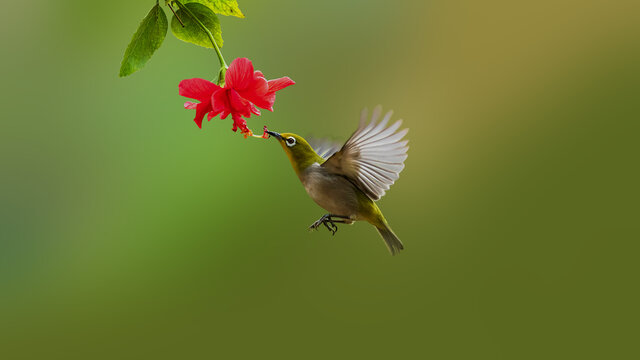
347 181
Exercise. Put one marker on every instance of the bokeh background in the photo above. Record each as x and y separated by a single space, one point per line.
128 233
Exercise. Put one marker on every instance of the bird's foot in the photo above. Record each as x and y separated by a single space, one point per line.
329 222
324 220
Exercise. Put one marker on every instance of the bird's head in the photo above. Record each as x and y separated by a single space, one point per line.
300 153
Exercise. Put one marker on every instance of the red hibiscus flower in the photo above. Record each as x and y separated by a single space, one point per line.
245 91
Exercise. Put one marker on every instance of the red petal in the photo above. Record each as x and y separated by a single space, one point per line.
190 105
240 74
239 122
255 110
211 115
256 93
199 89
265 101
201 109
258 86
220 103
239 105
279 84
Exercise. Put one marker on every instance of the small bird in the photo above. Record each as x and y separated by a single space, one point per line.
346 181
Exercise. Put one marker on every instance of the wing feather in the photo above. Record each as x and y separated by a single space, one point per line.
324 147
374 155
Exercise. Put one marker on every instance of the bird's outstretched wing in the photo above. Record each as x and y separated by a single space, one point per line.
324 147
374 155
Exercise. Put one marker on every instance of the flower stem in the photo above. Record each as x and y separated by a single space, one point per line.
223 64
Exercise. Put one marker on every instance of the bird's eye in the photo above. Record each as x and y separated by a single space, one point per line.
291 141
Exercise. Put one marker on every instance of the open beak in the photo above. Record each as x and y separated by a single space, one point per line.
274 134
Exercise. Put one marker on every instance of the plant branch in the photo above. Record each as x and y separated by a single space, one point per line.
176 15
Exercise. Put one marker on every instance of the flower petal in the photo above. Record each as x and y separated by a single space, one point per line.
201 110
240 74
220 103
239 122
279 84
263 101
190 105
258 86
199 89
255 110
239 105
256 92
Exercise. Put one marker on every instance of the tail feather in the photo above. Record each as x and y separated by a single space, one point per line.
391 240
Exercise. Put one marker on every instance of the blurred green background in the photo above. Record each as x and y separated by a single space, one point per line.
127 233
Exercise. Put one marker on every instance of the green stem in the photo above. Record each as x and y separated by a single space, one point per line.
223 64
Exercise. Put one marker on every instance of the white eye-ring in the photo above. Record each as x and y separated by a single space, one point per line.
291 141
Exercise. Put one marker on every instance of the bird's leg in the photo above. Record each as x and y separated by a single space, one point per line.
340 219
330 219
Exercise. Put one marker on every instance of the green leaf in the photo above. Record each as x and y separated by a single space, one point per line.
222 7
192 32
145 41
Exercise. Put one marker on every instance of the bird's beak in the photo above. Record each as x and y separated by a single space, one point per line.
274 134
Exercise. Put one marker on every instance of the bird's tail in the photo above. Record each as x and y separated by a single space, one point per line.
393 243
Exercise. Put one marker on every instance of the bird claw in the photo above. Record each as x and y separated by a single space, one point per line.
333 228
318 222
326 221
315 225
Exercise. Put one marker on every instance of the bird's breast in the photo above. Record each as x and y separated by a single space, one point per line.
332 192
